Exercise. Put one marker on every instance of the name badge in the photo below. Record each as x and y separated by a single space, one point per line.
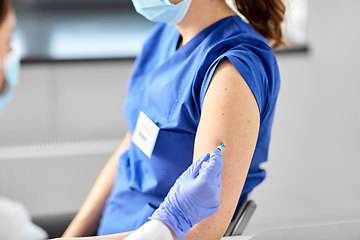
145 134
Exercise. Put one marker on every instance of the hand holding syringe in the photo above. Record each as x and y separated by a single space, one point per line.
194 196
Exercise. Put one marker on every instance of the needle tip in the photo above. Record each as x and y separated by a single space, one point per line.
220 147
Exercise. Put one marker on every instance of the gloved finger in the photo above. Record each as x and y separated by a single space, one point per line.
196 166
213 167
218 180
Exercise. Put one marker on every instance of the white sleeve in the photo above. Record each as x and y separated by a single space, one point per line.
15 222
151 230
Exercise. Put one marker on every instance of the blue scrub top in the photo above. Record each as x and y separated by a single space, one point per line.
169 86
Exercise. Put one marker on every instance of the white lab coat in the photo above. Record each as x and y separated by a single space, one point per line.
152 230
15 222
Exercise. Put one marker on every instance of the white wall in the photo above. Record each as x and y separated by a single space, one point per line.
313 168
72 99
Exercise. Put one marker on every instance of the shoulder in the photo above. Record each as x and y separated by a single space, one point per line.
239 39
226 74
242 45
251 57
254 61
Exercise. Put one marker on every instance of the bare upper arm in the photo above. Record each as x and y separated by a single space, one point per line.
230 115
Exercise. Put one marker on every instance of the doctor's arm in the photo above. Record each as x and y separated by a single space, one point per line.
230 115
194 196
88 217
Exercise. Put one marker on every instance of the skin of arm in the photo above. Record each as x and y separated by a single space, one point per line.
87 219
230 115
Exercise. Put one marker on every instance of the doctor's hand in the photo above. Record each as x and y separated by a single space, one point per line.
194 196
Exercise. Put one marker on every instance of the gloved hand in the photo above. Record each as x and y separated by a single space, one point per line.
194 196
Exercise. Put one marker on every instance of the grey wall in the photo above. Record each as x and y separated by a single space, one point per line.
313 161
62 125
66 100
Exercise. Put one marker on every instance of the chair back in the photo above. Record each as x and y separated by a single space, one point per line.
241 218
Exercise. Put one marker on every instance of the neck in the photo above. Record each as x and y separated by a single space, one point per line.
201 14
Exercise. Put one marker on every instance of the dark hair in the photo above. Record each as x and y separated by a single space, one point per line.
265 16
4 9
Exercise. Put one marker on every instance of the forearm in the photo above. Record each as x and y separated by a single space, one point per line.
118 236
152 230
88 217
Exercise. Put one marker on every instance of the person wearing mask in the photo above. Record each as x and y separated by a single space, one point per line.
15 221
204 76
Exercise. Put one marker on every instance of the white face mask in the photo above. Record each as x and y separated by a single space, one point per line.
11 72
162 10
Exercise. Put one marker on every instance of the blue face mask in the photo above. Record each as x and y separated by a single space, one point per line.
162 10
11 73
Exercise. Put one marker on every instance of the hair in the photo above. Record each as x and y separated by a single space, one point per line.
265 16
4 9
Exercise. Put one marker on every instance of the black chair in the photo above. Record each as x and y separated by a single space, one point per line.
241 218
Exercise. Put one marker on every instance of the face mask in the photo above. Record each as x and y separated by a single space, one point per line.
162 10
11 73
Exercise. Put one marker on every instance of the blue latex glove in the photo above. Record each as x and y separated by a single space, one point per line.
194 196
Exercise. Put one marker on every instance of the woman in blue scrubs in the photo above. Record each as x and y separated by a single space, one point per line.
203 77
196 193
